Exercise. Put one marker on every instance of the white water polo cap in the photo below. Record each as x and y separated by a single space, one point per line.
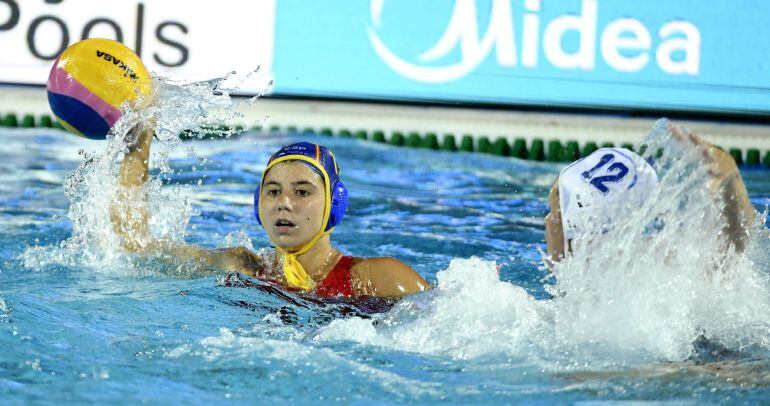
601 188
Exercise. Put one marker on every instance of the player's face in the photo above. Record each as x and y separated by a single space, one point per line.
291 204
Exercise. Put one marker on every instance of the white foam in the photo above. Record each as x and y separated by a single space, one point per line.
92 187
5 310
643 291
469 313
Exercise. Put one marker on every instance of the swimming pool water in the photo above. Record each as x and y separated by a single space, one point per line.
125 330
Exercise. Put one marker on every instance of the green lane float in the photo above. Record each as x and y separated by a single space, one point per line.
484 145
554 153
414 140
535 149
537 152
589 148
448 143
10 120
752 157
397 139
28 121
466 145
572 151
430 141
519 148
501 147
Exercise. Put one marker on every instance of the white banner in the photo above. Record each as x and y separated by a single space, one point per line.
182 39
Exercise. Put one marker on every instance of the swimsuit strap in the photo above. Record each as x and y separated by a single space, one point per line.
337 282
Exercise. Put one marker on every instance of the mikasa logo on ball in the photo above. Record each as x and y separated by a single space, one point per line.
624 44
115 61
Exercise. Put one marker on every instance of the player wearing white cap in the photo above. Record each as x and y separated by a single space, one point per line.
592 193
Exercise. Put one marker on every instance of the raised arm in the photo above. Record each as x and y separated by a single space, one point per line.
130 217
726 184
738 211
128 212
554 233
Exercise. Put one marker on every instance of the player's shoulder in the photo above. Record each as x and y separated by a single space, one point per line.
387 276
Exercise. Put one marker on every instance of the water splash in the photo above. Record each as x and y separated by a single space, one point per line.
468 314
5 311
646 290
665 274
91 188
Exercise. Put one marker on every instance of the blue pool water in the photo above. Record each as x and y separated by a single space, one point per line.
80 322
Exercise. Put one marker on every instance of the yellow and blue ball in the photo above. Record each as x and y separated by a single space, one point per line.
89 83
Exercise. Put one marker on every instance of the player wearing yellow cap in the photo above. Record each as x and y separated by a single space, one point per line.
298 202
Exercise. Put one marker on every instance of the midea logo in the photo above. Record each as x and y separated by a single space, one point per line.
625 43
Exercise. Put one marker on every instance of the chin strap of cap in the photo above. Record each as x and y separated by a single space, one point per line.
293 271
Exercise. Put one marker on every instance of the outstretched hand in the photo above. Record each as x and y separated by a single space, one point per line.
725 183
720 166
128 212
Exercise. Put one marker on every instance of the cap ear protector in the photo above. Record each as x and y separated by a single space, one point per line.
322 161
339 204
